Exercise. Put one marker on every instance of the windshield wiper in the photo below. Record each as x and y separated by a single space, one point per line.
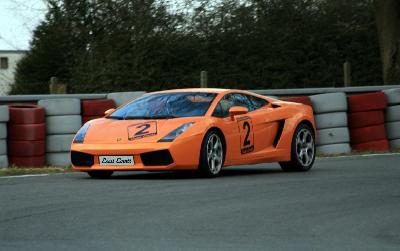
115 117
151 117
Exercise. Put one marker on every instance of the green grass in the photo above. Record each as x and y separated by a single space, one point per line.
12 171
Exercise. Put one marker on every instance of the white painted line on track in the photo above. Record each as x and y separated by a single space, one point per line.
360 155
24 176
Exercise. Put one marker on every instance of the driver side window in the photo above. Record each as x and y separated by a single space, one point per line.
229 100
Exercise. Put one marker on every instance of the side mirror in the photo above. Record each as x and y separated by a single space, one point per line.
109 111
237 110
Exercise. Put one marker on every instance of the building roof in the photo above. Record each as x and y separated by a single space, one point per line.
13 51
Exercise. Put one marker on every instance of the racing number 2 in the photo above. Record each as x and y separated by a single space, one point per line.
141 130
246 135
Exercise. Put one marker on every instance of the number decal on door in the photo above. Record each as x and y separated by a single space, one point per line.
138 131
246 135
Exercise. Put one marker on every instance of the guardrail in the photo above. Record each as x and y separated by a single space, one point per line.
275 92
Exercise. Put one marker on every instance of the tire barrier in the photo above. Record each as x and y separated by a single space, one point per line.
93 109
35 161
331 120
392 117
367 102
334 149
61 159
66 124
393 113
367 121
59 143
26 114
367 134
378 145
57 107
4 114
394 144
63 119
330 102
393 96
333 136
27 134
331 123
4 161
303 100
121 98
3 147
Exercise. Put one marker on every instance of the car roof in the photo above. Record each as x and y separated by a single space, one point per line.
203 90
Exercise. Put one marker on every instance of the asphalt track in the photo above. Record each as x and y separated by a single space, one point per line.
342 204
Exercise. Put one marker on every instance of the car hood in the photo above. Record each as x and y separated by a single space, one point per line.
109 131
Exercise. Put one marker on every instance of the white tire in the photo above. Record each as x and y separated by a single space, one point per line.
62 106
58 159
59 143
3 130
331 120
3 147
394 144
333 136
4 113
4 161
392 113
393 130
334 149
121 98
393 96
329 102
67 124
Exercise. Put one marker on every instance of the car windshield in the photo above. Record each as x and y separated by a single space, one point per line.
166 105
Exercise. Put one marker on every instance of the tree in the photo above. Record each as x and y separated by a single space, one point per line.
387 14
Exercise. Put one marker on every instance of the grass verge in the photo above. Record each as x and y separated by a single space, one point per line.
13 171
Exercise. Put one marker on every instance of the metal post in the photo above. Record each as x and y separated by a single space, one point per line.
203 79
347 73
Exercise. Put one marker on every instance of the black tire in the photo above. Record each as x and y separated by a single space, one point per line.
205 164
300 162
100 174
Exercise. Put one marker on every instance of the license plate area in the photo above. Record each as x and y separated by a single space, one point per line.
123 160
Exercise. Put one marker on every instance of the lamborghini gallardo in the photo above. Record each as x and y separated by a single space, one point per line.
196 129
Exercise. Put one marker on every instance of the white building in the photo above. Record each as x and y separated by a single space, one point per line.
8 65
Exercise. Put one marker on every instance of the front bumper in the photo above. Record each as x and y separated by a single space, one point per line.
184 153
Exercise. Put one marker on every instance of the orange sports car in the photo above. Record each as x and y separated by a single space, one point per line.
202 129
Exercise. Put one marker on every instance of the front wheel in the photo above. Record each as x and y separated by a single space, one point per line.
211 155
100 174
302 151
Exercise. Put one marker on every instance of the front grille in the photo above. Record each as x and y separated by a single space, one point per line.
157 158
81 159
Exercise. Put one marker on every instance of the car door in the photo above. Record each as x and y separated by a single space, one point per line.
239 133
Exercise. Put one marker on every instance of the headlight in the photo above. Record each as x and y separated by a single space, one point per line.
80 135
175 133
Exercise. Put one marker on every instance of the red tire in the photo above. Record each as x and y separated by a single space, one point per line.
367 102
303 100
378 145
26 114
367 134
27 132
96 107
366 119
87 118
26 148
37 161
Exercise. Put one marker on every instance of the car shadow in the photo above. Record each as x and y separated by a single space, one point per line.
175 175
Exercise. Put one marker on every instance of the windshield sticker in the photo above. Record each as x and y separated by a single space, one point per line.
141 130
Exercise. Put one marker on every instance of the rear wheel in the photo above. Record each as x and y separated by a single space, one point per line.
100 174
303 150
211 155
